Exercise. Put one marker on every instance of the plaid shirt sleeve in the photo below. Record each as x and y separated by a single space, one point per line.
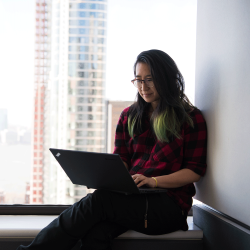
121 137
195 144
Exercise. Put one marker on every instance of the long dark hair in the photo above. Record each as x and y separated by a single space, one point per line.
172 110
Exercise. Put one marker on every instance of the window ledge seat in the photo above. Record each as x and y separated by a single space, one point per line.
18 230
28 226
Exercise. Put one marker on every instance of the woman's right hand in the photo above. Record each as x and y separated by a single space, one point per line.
141 180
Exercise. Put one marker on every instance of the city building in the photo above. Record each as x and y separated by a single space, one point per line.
9 136
42 70
114 109
27 193
72 94
2 196
3 119
24 136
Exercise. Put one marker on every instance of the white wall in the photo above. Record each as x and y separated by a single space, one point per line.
223 94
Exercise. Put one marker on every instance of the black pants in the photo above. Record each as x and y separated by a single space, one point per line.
100 217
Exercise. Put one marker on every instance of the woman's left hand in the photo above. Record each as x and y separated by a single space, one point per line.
141 180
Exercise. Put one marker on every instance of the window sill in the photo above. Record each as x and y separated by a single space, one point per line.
28 226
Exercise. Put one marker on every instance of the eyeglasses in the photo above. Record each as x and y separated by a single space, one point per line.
138 83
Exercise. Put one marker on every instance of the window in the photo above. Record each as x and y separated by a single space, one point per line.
90 92
79 48
89 125
81 57
89 117
89 100
90 134
87 23
83 74
69 70
82 40
90 108
82 83
87 14
77 31
89 142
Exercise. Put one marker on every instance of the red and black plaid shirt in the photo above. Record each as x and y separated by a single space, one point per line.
146 155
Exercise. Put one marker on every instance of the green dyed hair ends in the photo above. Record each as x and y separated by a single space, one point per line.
165 125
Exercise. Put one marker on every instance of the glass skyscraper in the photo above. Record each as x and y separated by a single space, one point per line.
74 106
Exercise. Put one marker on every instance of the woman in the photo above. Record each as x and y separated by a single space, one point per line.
161 139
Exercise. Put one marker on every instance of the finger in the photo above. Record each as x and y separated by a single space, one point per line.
137 180
135 176
140 180
143 182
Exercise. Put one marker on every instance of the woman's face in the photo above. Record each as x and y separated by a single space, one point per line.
149 94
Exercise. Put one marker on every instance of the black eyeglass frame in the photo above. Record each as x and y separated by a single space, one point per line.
145 81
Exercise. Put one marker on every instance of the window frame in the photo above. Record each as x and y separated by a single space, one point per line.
28 209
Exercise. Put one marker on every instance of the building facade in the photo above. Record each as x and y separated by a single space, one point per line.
42 70
74 108
114 110
2 196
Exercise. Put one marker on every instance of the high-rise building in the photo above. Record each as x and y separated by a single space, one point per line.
3 119
74 108
2 197
42 70
27 193
114 110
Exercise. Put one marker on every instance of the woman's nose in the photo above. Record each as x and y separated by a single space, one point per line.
144 86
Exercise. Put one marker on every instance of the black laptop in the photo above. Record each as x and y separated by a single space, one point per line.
99 171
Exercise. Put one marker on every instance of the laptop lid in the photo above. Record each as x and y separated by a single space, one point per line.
96 170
